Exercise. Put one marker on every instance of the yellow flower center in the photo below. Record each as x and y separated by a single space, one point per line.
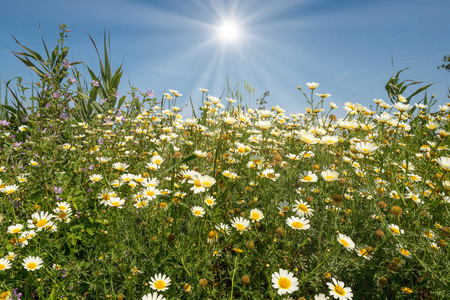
284 283
363 252
140 204
209 202
159 284
297 225
2 267
302 207
428 234
307 178
16 230
106 197
41 223
240 226
9 192
395 230
206 183
197 212
4 295
329 178
344 242
150 193
197 183
31 265
115 203
255 216
338 290
271 175
404 252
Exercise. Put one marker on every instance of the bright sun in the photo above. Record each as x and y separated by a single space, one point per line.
229 31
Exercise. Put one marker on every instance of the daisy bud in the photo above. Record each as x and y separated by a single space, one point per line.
379 233
445 231
277 158
369 250
309 199
171 237
383 281
178 155
393 266
280 232
396 211
382 204
281 214
250 245
203 282
245 280
337 200
257 224
316 167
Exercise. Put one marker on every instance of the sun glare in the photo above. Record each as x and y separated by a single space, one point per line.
229 31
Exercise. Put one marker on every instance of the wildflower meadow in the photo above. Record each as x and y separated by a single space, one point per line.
108 196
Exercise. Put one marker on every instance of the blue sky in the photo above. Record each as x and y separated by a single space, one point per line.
346 46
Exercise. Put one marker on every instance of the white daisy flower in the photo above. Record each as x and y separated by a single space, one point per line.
338 291
160 282
284 281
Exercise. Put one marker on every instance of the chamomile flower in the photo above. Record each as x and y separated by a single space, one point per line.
153 296
366 148
346 241
15 229
256 215
5 264
120 166
362 251
329 175
115 202
302 209
210 201
395 229
444 162
403 251
308 177
298 223
284 206
160 282
338 291
9 189
40 220
198 211
240 224
32 263
95 177
284 281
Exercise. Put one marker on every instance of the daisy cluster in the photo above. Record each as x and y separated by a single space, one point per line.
289 203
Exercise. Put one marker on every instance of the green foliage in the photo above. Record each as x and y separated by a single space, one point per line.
394 87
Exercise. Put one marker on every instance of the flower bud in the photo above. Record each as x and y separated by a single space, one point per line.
245 280
203 282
